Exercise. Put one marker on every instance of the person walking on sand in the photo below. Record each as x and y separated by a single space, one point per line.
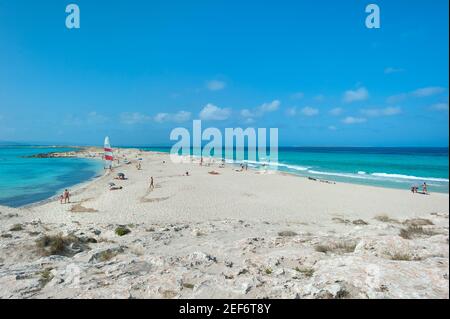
61 198
152 186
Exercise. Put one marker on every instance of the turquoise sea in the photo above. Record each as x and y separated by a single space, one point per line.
27 180
393 167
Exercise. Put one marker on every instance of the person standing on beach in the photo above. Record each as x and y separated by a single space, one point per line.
424 188
66 196
151 183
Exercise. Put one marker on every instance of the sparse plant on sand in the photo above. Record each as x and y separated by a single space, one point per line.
415 231
400 256
45 276
122 231
306 271
418 222
188 285
16 227
107 255
49 245
287 233
338 248
386 219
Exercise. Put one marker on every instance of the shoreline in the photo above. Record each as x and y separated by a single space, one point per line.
95 187
94 153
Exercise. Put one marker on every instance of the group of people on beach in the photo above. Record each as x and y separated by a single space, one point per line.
415 188
65 197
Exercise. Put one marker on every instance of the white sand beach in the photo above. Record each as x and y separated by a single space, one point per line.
237 234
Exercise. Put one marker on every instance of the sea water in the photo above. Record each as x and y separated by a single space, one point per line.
25 180
392 167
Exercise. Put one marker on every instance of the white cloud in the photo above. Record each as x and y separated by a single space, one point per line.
214 113
309 111
397 98
336 111
436 107
161 117
247 113
131 118
292 111
353 120
182 116
388 111
332 128
262 109
420 93
215 85
391 70
360 94
298 95
428 91
178 117
270 107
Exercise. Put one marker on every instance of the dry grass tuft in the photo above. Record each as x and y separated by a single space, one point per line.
400 256
418 222
287 233
338 248
188 285
386 219
306 271
70 245
45 276
415 231
360 222
107 255
16 227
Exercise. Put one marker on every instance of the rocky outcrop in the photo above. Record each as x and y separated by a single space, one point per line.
227 259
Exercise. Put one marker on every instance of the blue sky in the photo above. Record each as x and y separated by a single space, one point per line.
137 69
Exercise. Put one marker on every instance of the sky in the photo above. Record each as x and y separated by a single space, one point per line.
135 70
